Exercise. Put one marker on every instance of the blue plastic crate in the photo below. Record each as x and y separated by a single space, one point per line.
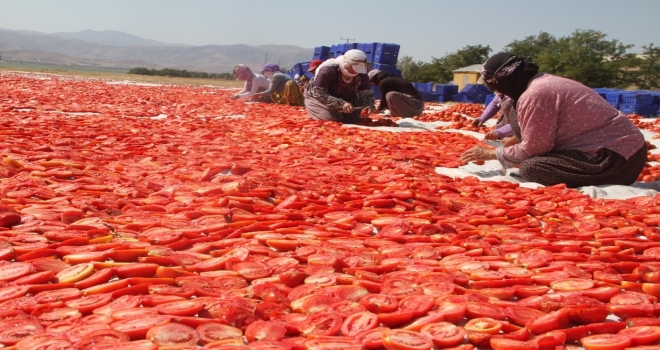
446 89
386 53
429 96
444 98
475 90
423 87
387 68
648 110
297 68
636 97
460 97
340 49
628 108
321 53
369 49
489 99
613 97
376 91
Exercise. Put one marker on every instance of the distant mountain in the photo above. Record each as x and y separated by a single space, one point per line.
112 37
111 49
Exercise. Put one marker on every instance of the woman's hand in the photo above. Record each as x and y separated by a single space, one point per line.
366 112
478 153
492 135
347 108
477 123
510 141
234 97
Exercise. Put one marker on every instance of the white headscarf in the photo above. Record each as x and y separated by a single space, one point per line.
355 59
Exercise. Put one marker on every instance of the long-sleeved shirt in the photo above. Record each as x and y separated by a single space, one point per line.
329 88
491 110
258 83
277 82
397 84
556 113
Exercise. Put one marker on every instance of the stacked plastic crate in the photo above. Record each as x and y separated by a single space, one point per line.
321 53
489 99
426 91
385 57
444 92
475 93
638 102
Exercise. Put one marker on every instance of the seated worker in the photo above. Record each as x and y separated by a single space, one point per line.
254 83
501 104
569 134
398 95
282 88
313 66
339 87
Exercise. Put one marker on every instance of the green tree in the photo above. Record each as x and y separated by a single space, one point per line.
532 46
586 56
409 69
443 67
648 73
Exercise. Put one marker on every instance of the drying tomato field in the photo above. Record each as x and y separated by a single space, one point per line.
173 217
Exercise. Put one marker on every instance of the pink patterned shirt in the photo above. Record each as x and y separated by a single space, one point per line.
561 114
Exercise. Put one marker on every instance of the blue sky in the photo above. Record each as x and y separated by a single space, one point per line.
424 29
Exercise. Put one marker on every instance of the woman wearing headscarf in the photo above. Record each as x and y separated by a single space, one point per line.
502 131
398 95
568 133
282 88
254 83
339 86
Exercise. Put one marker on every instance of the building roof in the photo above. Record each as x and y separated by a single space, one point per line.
473 68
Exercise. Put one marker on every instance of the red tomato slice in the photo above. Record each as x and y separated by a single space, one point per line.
172 334
12 292
359 322
379 303
606 342
12 331
320 324
89 303
14 271
76 333
571 284
444 334
265 330
213 332
332 343
131 345
397 339
548 322
136 328
483 325
180 308
64 294
642 335
420 305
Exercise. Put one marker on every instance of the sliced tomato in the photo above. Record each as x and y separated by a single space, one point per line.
265 330
642 335
606 342
321 324
180 308
172 334
214 331
136 328
359 322
397 339
444 334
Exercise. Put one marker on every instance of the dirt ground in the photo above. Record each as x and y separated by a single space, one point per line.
119 76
